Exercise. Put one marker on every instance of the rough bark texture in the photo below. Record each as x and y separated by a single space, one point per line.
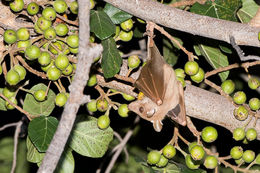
188 22
213 108
200 104
85 58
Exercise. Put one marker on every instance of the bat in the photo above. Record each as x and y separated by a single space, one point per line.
164 95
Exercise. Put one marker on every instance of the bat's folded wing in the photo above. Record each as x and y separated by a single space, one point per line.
151 80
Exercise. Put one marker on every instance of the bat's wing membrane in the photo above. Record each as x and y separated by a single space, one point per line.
182 115
178 113
151 80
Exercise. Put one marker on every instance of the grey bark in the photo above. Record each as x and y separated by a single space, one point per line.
85 58
205 26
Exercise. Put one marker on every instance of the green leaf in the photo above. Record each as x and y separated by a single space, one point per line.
101 24
39 108
215 58
170 168
66 163
88 140
135 161
2 102
173 168
33 155
116 15
22 166
147 169
224 47
6 149
130 166
168 52
184 169
111 59
41 131
6 156
197 50
139 30
221 9
248 10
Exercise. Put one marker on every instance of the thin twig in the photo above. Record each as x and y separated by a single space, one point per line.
48 88
5 52
123 143
29 116
73 59
120 77
125 78
119 145
226 157
221 69
16 135
8 125
114 150
4 68
116 85
30 69
235 168
208 82
76 23
240 52
86 55
179 148
58 86
142 53
251 164
4 26
183 139
193 129
37 39
189 54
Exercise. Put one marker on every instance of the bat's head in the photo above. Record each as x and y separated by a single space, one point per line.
147 109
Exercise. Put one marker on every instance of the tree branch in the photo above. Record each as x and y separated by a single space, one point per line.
86 56
123 143
189 22
200 104
240 52
8 125
213 108
16 136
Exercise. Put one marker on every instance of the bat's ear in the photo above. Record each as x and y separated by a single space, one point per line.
157 125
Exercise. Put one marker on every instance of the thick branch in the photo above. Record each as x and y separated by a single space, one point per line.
200 104
85 58
213 108
189 22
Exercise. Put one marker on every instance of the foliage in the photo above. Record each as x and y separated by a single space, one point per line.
40 70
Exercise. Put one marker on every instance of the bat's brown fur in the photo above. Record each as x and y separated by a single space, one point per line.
163 92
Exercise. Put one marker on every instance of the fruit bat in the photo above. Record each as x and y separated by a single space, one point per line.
164 94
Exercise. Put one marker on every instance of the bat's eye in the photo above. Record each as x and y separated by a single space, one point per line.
141 109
